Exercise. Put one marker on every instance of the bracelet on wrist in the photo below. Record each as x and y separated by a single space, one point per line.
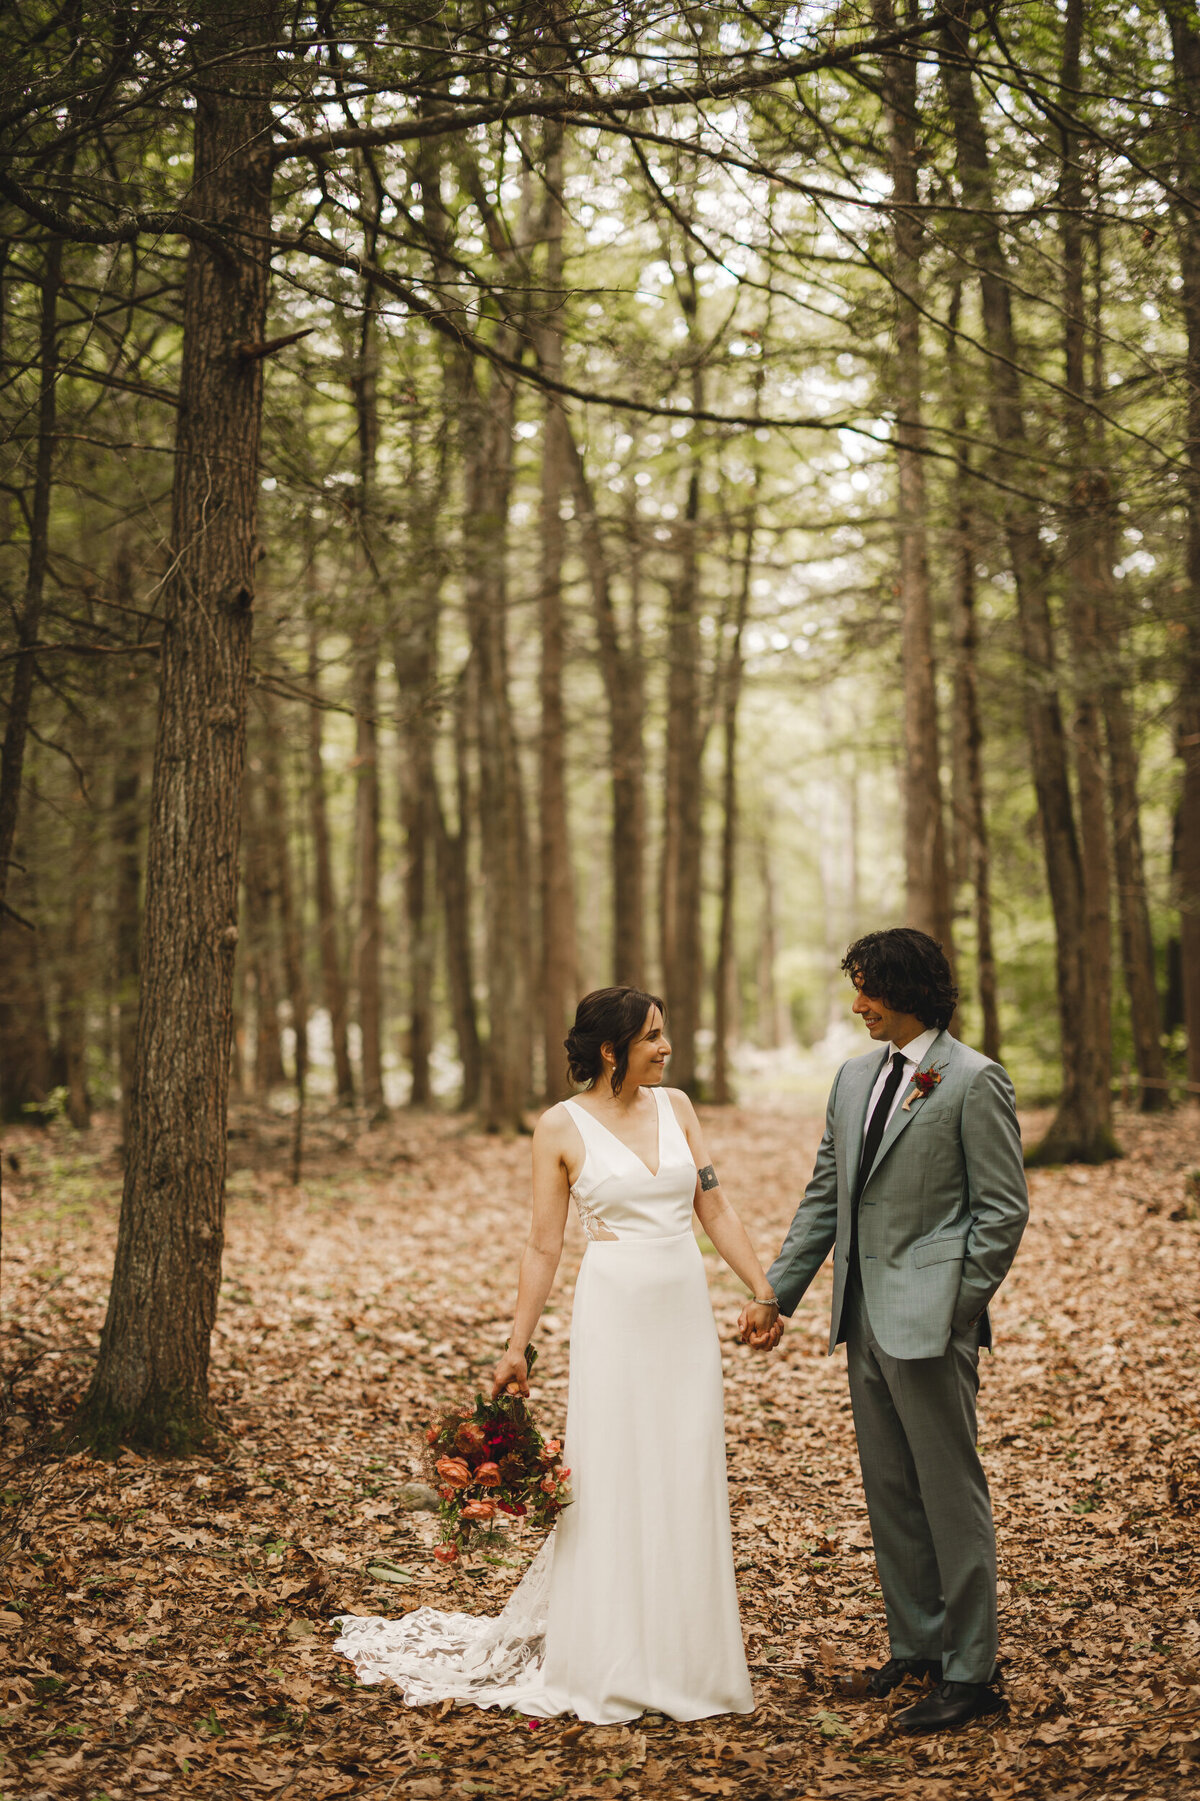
767 1301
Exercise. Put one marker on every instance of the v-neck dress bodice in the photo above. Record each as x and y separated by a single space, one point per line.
616 1195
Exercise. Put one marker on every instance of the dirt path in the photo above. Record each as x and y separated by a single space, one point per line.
164 1626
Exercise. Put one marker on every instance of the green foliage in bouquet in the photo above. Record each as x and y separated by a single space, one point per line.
490 1460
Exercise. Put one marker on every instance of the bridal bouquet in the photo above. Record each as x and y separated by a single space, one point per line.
493 1460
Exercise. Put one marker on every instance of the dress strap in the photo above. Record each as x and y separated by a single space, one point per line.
594 1146
668 1121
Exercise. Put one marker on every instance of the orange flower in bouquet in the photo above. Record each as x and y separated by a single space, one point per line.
494 1460
454 1470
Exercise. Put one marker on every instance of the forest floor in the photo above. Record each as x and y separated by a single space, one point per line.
164 1627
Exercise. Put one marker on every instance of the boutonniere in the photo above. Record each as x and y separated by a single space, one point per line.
924 1083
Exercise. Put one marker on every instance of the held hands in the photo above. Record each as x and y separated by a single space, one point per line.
760 1326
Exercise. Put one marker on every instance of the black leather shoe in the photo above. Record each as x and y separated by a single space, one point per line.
881 1682
951 1704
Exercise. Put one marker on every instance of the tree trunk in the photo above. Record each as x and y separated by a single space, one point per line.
26 1057
150 1385
1133 912
1080 1131
415 662
258 946
125 815
680 890
1089 600
971 811
333 981
279 842
368 947
276 811
725 974
1185 44
75 963
454 885
368 960
126 822
926 877
26 1075
624 692
487 452
16 729
559 960
774 1023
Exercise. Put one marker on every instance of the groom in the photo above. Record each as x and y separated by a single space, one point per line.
919 1187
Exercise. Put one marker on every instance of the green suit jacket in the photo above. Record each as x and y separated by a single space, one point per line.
942 1211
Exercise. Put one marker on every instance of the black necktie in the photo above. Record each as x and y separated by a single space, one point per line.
879 1119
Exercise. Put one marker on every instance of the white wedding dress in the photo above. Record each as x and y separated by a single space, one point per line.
631 1603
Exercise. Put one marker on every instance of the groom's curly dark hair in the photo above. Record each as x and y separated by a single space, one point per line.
907 970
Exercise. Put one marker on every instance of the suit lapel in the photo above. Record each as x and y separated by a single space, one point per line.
856 1119
903 1116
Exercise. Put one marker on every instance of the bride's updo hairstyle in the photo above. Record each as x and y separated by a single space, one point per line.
612 1016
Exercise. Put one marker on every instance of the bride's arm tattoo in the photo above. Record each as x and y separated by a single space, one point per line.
708 1177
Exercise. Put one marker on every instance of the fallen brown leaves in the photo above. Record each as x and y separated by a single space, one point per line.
164 1626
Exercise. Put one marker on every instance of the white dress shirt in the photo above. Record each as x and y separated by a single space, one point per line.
913 1052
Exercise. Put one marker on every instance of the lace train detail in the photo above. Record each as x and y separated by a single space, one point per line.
435 1656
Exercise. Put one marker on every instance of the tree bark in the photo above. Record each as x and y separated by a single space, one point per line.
486 424
333 981
26 1074
1089 600
624 691
970 808
1184 26
1080 1130
680 884
150 1386
725 974
258 942
498 1072
125 816
926 876
126 821
454 885
369 942
559 959
415 659
291 941
16 729
369 947
1133 911
74 963
774 1022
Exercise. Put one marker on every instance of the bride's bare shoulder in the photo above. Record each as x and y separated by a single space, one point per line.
681 1102
556 1125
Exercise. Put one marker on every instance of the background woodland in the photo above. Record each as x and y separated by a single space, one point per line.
496 501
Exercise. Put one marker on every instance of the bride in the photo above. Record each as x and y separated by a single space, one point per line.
631 1603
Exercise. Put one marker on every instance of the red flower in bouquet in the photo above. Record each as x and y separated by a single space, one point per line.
488 1475
479 1510
447 1553
924 1083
